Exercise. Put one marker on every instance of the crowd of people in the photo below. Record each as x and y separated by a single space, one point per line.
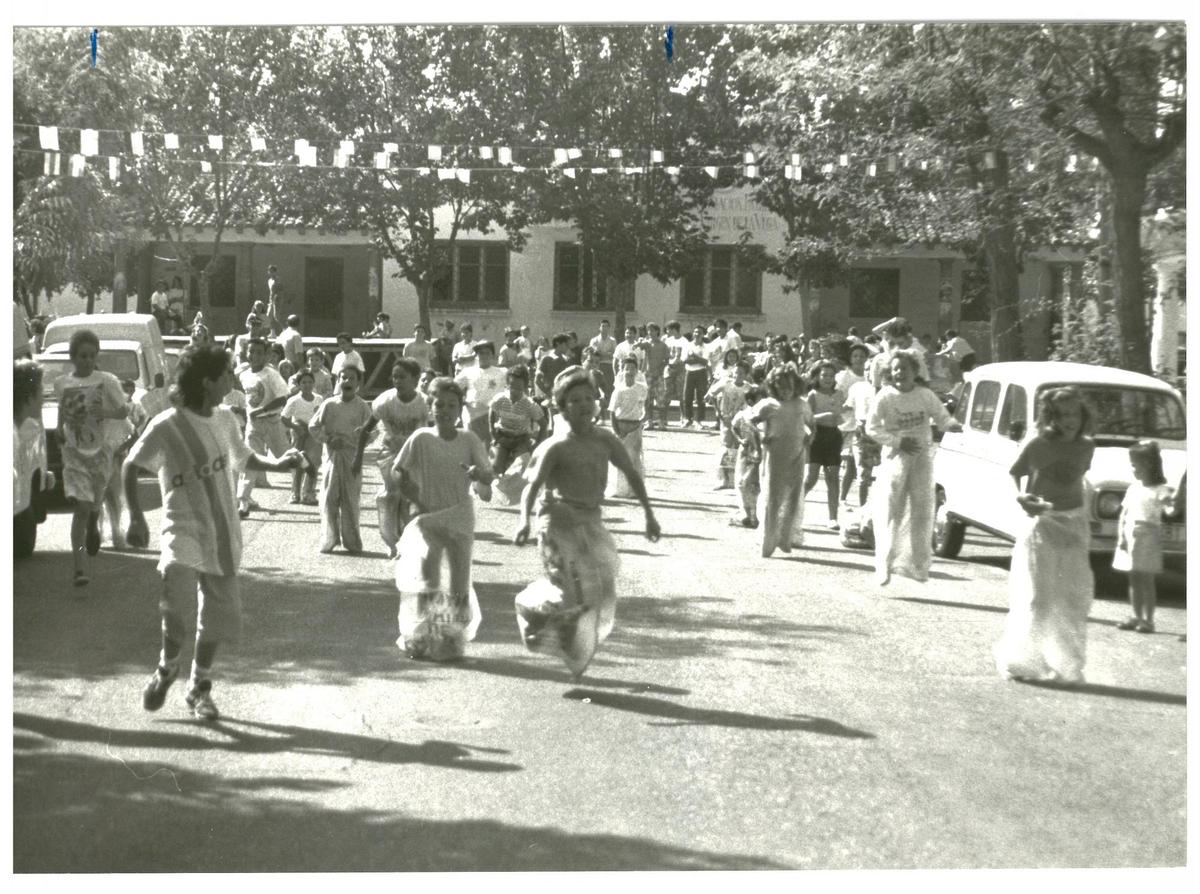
540 422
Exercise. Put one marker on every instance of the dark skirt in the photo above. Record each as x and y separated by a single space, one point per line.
826 449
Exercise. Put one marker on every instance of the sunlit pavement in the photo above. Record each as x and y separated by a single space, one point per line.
745 713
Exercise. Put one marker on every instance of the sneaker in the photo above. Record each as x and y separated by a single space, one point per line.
199 699
92 538
1145 627
834 525
155 692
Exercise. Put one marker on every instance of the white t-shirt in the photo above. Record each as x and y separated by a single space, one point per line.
843 382
262 387
1145 503
463 355
858 399
436 466
341 359
481 385
196 458
297 409
628 402
422 352
400 418
79 400
896 414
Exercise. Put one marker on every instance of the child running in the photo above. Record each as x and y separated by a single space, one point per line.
437 467
338 424
788 419
517 422
844 381
196 450
827 403
296 414
749 457
1140 533
91 425
574 608
1050 581
402 409
628 409
727 395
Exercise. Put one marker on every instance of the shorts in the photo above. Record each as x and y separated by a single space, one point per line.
869 452
826 449
218 601
86 475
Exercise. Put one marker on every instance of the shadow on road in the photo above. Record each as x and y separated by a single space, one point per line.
74 813
552 671
687 716
230 734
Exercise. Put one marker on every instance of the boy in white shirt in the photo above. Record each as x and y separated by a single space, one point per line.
297 413
338 423
195 449
481 383
266 394
91 425
346 355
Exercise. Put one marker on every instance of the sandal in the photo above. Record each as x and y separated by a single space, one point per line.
1131 624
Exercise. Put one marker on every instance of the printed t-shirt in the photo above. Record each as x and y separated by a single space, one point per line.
399 418
196 458
78 401
297 409
436 466
481 385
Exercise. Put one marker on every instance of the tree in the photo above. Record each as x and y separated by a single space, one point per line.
1117 92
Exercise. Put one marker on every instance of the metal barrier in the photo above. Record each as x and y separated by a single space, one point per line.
378 354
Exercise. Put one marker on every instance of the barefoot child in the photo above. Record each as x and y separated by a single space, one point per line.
1050 582
296 414
1140 533
572 610
437 467
338 424
91 425
402 409
196 450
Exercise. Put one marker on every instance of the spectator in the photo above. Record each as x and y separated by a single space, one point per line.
443 350
421 349
383 327
511 354
463 355
292 342
347 356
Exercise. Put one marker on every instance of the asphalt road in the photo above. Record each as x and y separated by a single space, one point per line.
745 714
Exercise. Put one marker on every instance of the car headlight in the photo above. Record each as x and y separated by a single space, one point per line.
1108 504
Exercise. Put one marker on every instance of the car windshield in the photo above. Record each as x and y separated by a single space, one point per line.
1135 412
122 364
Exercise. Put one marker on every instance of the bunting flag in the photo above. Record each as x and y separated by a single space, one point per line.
381 160
751 171
787 172
340 158
89 142
828 168
599 170
517 169
656 156
216 142
506 156
614 153
560 156
301 148
1072 160
634 170
748 158
795 159
445 173
871 170
797 173
206 167
48 137
52 166
711 171
136 144
258 144
573 154
673 171
424 172
308 157
347 148
434 153
485 152
391 148
78 164
170 141
114 169
463 175
569 172
844 160
892 163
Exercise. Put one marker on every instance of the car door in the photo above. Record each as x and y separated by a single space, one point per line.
978 477
1012 429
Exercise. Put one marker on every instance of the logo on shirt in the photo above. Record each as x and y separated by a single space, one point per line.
207 470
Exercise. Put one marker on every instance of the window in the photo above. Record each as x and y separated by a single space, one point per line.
1013 421
976 306
471 273
222 279
875 292
724 279
578 284
983 411
323 288
1131 413
960 408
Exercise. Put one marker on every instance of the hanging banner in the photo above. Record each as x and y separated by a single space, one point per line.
673 170
844 160
170 141
89 142
48 137
340 158
517 169
599 170
751 171
52 164
748 158
892 162
308 156
136 144
871 170
424 172
787 172
827 168
795 159
634 170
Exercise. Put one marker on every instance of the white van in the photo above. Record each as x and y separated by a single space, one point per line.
997 406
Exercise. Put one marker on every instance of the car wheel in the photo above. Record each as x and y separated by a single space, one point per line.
24 533
948 531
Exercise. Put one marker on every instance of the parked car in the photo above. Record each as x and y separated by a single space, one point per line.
997 406
32 482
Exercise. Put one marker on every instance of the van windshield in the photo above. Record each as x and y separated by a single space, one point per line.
1131 413
122 364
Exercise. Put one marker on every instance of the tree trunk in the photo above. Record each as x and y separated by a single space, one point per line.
91 302
1003 269
1129 194
617 291
424 288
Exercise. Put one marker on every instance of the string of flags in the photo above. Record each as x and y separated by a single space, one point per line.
569 161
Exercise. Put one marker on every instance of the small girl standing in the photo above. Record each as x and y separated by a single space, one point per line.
727 395
1139 533
826 401
789 422
749 456
296 414
1051 584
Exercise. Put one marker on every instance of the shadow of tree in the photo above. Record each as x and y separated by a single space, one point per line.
66 809
684 715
